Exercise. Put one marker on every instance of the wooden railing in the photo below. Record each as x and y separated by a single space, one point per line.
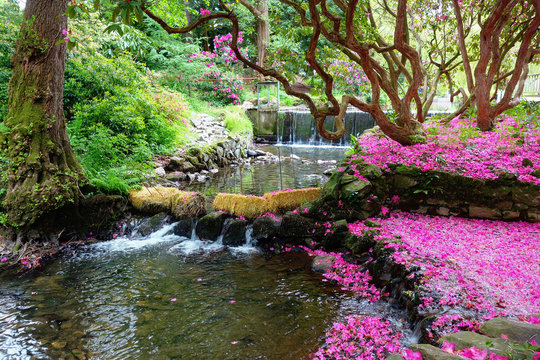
532 85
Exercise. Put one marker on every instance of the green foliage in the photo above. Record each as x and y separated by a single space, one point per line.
237 122
9 27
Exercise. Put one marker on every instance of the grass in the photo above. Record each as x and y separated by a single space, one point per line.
237 122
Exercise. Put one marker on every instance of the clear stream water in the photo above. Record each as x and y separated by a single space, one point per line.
112 300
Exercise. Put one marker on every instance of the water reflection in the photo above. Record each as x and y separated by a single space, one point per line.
301 167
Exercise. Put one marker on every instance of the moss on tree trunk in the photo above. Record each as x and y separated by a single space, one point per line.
43 173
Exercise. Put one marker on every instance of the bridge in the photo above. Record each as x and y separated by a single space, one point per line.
531 91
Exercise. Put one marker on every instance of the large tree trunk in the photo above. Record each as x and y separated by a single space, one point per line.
263 32
43 173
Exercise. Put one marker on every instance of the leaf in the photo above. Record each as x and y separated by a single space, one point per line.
97 4
59 42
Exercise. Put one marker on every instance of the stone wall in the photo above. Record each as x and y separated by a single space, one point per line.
196 162
435 193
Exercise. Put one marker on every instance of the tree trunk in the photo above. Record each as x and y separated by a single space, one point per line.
43 173
263 32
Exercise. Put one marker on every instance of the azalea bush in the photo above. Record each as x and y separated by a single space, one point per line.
222 80
513 147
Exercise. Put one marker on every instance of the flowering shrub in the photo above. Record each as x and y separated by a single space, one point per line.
221 82
361 337
511 148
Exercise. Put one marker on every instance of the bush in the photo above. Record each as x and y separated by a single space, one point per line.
237 122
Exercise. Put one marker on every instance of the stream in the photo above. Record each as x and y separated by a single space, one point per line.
163 296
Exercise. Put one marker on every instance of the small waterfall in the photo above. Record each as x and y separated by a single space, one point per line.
299 128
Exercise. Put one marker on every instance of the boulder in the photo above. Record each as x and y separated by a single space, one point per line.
234 232
265 228
519 331
483 212
184 228
159 171
176 176
209 226
175 164
151 224
296 226
430 352
356 188
321 263
467 339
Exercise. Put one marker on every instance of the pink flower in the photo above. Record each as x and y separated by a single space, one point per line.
234 342
448 347
412 355
199 279
474 353
232 301
204 12
4 259
173 299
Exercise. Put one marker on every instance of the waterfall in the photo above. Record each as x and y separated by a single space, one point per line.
299 128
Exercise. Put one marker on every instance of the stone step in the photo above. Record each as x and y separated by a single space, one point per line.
430 352
518 331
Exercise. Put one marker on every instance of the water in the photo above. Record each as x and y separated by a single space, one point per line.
167 297
257 179
298 127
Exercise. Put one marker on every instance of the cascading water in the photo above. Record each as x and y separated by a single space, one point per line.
298 128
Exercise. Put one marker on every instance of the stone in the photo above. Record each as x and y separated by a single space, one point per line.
265 228
175 163
395 357
159 171
356 188
533 215
184 228
482 212
467 339
361 244
151 224
234 232
519 331
536 173
188 167
296 226
528 195
430 352
203 178
443 211
58 345
504 205
370 171
511 215
176 176
404 182
209 226
321 263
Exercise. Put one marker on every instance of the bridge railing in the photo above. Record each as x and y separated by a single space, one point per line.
532 85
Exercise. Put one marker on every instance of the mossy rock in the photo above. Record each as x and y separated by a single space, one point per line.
519 331
360 244
370 171
467 339
430 352
209 226
332 187
184 228
265 229
357 188
234 232
404 182
296 226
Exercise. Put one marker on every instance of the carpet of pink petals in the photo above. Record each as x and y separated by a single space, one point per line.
360 337
351 277
492 267
450 148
